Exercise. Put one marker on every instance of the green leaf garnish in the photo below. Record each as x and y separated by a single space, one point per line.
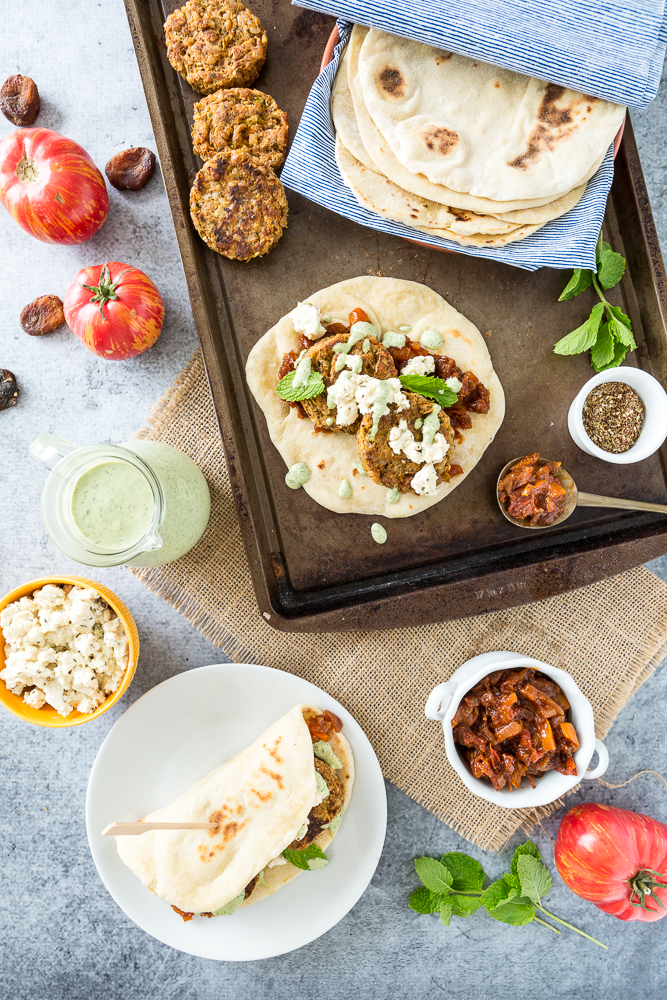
581 280
431 387
423 900
453 887
514 913
607 341
584 337
433 874
611 266
467 874
528 848
313 387
463 906
534 878
302 859
499 893
602 351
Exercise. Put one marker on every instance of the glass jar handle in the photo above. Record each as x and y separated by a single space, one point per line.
49 449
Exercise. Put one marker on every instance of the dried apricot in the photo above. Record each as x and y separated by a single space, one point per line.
19 100
130 169
44 315
9 390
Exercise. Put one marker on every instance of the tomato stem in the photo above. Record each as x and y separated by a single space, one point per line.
576 929
644 883
105 291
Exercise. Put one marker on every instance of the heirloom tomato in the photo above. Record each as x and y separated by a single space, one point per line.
114 309
616 859
51 187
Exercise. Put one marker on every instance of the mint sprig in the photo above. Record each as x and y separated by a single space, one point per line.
608 341
308 859
430 386
313 387
454 886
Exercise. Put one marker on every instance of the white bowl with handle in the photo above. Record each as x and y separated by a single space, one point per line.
445 699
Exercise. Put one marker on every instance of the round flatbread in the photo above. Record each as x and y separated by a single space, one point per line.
240 119
215 43
480 129
238 206
358 123
380 195
389 303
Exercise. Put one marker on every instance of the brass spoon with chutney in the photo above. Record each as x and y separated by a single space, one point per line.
571 497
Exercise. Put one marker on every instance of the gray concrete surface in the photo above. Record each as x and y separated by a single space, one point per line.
62 936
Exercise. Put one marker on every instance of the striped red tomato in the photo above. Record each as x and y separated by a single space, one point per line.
615 858
51 187
114 309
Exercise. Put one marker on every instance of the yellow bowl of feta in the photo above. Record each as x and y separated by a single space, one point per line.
68 649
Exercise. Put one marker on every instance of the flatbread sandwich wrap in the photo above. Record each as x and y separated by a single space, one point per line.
379 395
277 805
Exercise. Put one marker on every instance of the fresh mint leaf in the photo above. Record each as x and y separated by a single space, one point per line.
620 328
434 875
428 385
514 913
499 893
463 906
620 350
423 900
446 913
528 848
581 280
467 874
602 351
534 877
583 338
302 859
611 266
313 387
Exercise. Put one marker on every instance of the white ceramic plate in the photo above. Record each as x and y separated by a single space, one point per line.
174 735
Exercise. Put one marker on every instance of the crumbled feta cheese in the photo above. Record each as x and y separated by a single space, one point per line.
67 650
280 860
354 394
453 383
306 320
425 482
401 439
421 365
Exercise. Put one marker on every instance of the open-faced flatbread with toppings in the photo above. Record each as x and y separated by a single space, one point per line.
277 805
401 396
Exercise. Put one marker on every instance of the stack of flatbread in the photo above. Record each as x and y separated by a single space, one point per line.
459 149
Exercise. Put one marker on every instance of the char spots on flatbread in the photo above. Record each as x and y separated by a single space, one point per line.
442 139
392 83
224 835
273 751
553 125
274 777
443 57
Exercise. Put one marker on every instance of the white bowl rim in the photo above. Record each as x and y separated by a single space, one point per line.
524 798
638 379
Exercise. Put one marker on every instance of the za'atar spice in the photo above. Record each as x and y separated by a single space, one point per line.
613 416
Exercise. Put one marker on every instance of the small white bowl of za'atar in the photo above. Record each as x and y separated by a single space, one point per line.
620 416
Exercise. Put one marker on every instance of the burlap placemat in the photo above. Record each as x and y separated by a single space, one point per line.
609 636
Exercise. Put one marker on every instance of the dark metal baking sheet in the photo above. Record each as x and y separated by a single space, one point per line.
313 569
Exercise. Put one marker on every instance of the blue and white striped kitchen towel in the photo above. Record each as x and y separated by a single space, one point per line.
612 49
311 170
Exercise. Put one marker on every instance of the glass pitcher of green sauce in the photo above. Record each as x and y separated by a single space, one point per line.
141 503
